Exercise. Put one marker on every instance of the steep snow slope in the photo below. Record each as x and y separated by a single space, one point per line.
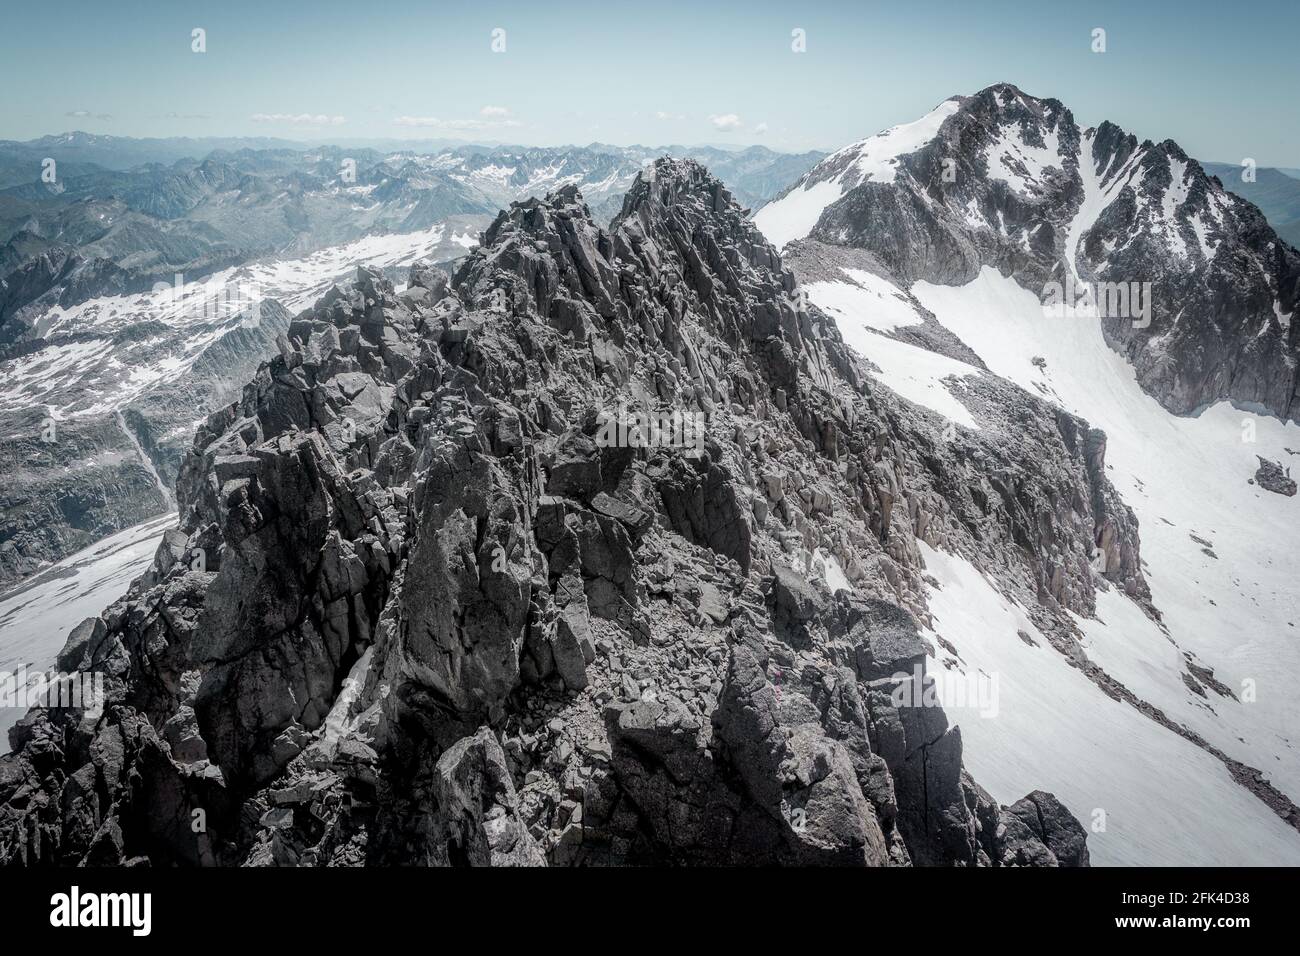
1218 550
36 618
1012 181
1148 796
1232 613
866 298
794 214
1101 187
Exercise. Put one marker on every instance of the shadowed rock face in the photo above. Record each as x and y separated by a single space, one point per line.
1012 182
420 609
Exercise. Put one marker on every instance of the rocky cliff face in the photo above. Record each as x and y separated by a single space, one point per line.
1192 284
441 595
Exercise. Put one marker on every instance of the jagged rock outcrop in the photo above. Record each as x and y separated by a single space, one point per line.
1273 477
84 334
422 608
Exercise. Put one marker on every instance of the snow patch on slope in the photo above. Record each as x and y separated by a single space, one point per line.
794 215
865 298
1165 801
1019 164
915 373
828 568
877 156
1100 189
35 619
99 375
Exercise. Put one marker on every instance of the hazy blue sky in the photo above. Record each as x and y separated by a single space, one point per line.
1220 78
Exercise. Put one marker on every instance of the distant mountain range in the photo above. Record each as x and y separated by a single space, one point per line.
125 152
122 214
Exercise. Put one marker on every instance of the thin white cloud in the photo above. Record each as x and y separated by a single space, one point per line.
460 126
760 129
299 119
87 114
494 112
661 115
726 122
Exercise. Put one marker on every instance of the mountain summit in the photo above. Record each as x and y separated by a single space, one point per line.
1192 284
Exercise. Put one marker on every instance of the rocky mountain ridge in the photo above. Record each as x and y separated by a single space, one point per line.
88 341
417 611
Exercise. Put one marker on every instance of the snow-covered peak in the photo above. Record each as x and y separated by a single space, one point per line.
1009 180
874 159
